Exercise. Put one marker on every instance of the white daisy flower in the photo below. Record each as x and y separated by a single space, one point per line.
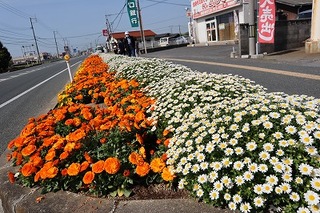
267 125
280 152
253 167
267 188
315 183
213 176
232 206
291 129
294 196
239 180
251 146
202 178
286 188
306 140
311 197
258 189
283 143
201 157
278 190
195 168
245 207
277 135
287 177
287 161
234 127
262 135
209 147
204 165
248 176
238 165
268 147
311 150
299 180
264 155
223 145
200 193
303 210
315 208
228 151
227 196
238 150
237 198
316 134
218 186
214 194
263 168
272 180
305 169
258 201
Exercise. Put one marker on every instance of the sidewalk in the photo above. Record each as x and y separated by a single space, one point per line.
17 199
296 56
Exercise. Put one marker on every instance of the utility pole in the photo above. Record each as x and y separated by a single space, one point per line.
313 46
141 28
35 40
251 28
55 40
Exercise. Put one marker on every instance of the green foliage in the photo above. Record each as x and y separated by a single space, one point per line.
5 58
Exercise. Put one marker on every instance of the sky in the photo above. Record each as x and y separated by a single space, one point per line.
79 23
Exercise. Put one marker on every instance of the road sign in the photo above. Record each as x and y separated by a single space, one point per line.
133 13
105 32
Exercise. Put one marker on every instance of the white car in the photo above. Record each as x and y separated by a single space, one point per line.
181 40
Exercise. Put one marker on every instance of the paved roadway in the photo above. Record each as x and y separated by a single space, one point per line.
292 73
29 93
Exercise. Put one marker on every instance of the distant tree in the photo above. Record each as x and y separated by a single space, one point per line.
5 58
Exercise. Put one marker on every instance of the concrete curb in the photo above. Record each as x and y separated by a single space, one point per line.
17 199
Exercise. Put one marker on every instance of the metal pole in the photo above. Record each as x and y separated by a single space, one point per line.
251 28
141 28
35 40
315 21
55 40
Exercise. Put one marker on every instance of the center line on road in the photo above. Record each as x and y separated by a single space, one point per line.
259 69
32 88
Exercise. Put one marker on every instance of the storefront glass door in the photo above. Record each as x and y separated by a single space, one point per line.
211 27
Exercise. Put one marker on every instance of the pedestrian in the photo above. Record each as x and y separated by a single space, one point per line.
129 44
121 48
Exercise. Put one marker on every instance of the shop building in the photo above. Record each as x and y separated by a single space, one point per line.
219 20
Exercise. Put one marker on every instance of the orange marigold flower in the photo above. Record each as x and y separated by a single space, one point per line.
136 159
11 144
87 157
157 165
165 132
68 122
64 172
98 167
139 138
63 155
9 156
142 152
28 169
74 169
143 170
140 116
11 177
88 177
84 166
52 172
50 155
18 142
69 147
19 159
36 160
167 175
126 173
164 156
112 165
77 121
166 142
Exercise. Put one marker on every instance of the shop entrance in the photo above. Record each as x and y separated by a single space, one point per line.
211 26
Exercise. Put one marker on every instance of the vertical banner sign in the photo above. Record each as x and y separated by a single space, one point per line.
236 23
266 21
133 13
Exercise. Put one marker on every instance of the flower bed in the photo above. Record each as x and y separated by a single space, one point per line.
223 138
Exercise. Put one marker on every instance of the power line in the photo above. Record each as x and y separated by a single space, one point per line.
165 2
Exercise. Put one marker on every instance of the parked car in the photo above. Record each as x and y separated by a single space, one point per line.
166 41
305 14
181 40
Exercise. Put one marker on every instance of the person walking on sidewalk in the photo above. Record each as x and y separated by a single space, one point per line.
129 44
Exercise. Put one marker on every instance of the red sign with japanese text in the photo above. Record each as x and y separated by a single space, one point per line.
266 22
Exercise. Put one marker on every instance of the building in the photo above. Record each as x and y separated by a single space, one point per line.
218 20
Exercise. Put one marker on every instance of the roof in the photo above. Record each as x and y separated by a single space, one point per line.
135 34
294 3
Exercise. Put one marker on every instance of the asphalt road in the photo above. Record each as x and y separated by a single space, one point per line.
277 73
29 93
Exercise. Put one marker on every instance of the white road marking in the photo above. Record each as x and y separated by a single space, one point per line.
32 88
